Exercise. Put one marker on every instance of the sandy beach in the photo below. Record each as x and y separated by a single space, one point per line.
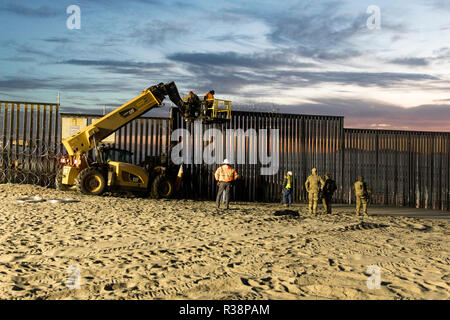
135 248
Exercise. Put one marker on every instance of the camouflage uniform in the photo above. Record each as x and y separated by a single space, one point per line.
362 194
312 187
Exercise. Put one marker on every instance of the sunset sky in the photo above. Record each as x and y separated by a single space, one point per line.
311 56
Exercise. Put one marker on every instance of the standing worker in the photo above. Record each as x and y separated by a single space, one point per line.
312 187
327 192
362 194
225 175
209 102
287 189
193 108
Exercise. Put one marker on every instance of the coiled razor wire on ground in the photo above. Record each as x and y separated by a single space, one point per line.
33 163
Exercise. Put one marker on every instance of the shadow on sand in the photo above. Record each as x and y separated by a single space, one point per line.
287 212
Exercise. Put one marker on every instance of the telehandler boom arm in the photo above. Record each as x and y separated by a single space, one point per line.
86 139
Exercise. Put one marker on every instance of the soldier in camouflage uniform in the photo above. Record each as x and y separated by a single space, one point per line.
362 194
312 187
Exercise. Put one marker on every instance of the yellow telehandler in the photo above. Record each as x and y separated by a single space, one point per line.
112 169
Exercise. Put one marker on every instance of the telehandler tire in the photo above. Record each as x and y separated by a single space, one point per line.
162 187
91 181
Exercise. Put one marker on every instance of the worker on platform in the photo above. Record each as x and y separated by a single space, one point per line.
362 194
312 187
327 192
225 175
209 102
187 111
193 106
287 189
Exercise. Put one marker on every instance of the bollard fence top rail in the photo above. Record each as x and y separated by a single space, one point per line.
283 115
94 115
26 102
393 131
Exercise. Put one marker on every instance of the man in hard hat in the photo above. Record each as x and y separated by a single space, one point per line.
193 107
312 187
225 175
362 195
287 189
209 102
327 192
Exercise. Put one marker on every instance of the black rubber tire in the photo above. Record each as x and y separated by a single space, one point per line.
84 182
162 187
